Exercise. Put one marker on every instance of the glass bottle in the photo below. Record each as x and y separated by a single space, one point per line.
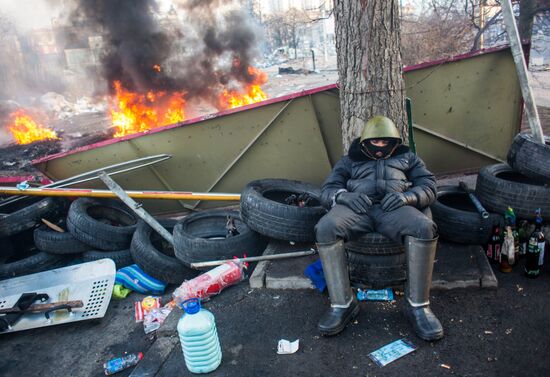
494 245
507 253
535 249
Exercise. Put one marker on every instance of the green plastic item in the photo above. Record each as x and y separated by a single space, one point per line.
120 292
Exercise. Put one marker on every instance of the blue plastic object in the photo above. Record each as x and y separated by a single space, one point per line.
315 273
191 306
199 338
134 278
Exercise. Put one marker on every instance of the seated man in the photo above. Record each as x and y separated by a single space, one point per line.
380 186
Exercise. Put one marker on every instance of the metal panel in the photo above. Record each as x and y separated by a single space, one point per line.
474 101
219 153
467 111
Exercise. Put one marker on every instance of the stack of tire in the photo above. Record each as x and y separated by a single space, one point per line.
18 220
95 229
199 237
373 260
523 184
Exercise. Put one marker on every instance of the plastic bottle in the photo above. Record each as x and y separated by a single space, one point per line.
210 283
116 365
199 338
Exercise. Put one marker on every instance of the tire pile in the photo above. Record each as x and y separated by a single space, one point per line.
97 229
373 260
523 184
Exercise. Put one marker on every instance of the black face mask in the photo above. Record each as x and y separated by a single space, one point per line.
378 153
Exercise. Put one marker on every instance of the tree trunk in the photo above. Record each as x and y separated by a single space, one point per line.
369 64
527 10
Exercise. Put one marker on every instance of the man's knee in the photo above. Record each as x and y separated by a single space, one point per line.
425 228
326 230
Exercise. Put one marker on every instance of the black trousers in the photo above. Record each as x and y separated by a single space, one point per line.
342 223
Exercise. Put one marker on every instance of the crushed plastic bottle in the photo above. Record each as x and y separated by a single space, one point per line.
120 363
210 283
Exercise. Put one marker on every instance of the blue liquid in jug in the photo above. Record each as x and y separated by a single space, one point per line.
199 338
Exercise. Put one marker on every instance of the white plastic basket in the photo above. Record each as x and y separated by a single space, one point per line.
91 282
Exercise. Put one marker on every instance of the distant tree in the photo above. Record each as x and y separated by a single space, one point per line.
285 29
442 29
449 27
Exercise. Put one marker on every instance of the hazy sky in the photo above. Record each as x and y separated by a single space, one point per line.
28 14
31 14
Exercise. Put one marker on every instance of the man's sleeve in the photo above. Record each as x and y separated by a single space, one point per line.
336 182
424 184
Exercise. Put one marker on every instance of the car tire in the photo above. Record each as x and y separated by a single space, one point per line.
200 237
54 242
377 271
158 261
530 158
20 216
457 218
263 208
499 187
122 258
85 223
38 262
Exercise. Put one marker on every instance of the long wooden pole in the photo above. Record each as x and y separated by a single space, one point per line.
521 68
91 193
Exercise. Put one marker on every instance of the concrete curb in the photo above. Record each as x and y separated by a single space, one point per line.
257 279
457 266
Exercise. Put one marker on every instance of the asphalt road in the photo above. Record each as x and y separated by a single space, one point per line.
500 332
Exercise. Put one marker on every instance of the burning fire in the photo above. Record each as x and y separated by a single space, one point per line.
253 92
25 130
134 112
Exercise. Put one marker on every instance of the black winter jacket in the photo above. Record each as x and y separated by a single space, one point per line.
403 171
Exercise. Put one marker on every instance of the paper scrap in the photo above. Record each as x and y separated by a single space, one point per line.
391 352
286 347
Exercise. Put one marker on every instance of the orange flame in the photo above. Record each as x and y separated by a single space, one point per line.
253 92
156 67
25 130
134 112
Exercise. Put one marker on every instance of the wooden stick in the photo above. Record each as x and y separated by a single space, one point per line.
37 308
523 73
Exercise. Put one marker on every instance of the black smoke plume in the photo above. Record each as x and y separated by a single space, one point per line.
208 45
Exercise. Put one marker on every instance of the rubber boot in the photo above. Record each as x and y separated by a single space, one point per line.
343 304
420 259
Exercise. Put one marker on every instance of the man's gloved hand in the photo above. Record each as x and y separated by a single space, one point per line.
395 200
357 202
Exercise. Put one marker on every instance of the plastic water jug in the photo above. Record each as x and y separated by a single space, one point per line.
199 338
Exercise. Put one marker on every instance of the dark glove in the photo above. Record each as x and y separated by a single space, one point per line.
395 200
357 202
